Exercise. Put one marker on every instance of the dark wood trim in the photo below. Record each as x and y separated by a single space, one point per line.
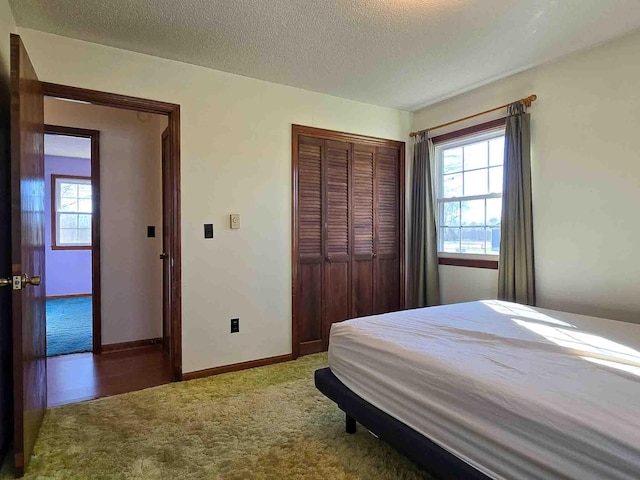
468 262
175 254
96 309
71 295
235 367
296 132
402 220
54 212
295 331
344 136
118 347
464 132
106 99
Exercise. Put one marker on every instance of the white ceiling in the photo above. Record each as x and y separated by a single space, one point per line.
397 53
64 146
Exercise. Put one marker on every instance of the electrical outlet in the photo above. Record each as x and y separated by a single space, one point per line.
235 325
208 230
151 231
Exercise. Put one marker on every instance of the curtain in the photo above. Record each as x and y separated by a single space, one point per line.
424 283
516 282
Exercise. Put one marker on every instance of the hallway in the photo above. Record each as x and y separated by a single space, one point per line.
84 376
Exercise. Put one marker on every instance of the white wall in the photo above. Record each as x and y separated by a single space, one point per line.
465 284
585 174
7 26
236 158
130 199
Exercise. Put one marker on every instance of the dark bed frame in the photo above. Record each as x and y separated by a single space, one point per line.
419 449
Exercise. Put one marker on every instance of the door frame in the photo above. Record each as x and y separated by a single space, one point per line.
172 111
94 136
300 130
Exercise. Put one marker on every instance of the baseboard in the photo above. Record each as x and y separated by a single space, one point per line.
235 367
72 295
118 347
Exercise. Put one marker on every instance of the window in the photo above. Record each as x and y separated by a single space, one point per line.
71 209
469 193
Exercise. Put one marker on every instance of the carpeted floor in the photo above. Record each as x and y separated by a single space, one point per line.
264 423
69 326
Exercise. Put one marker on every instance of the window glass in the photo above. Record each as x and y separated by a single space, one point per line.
72 212
469 194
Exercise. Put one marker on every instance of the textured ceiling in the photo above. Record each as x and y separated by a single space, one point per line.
397 53
64 146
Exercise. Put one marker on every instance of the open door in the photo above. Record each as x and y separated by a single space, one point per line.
27 254
166 240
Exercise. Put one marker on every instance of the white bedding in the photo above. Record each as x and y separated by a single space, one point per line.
517 392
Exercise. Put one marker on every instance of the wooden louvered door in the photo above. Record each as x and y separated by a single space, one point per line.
308 292
337 278
347 235
363 214
387 270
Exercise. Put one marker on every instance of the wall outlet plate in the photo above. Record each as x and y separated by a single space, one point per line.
235 325
151 231
234 221
208 230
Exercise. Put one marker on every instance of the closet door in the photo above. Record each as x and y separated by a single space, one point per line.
363 213
336 282
387 230
310 261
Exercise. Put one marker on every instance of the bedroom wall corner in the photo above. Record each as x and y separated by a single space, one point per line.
585 174
235 158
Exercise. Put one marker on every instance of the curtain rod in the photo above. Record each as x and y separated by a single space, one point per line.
524 101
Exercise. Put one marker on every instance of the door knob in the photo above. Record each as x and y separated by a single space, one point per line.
35 280
374 255
328 258
19 281
163 256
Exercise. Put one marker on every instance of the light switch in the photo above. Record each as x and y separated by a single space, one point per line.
208 230
234 220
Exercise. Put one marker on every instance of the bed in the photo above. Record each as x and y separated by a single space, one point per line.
493 389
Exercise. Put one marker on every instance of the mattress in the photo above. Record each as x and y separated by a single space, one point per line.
517 392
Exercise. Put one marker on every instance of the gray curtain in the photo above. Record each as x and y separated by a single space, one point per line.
423 276
516 282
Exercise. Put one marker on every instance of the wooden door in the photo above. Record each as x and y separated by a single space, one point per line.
27 252
387 272
342 253
166 240
337 231
310 244
363 214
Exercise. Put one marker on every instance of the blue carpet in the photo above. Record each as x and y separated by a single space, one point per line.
69 326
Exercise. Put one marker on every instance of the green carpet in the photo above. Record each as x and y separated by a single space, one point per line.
264 423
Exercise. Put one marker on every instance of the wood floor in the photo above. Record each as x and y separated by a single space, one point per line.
84 376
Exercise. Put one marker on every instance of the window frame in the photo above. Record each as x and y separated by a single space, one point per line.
487 129
55 179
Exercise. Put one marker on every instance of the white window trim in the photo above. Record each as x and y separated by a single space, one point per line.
438 148
61 178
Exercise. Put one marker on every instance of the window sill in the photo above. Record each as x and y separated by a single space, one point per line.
488 263
70 247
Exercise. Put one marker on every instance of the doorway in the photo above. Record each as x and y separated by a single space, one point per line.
30 370
72 230
131 238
